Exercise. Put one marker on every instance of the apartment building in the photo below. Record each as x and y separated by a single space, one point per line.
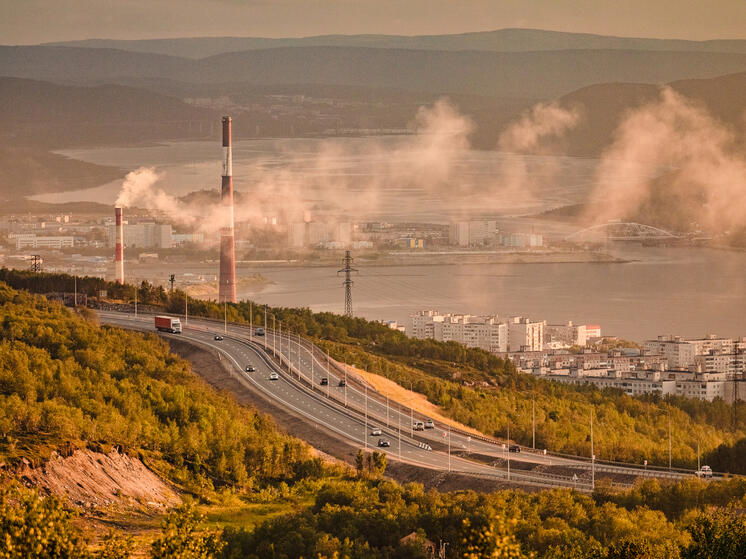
486 332
525 335
44 242
144 235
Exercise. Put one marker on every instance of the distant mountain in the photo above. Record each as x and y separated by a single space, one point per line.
603 106
502 40
546 74
47 114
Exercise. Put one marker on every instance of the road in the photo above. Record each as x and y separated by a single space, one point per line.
352 411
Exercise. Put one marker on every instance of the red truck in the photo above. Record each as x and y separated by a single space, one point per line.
168 324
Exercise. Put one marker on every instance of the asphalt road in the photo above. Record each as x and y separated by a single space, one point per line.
354 410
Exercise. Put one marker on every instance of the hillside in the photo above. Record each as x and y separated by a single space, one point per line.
45 114
604 105
536 74
67 384
503 40
26 171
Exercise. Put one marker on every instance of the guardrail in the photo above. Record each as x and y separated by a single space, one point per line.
314 351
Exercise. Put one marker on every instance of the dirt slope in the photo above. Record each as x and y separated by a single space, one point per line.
93 479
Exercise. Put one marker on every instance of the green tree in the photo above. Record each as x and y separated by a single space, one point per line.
182 540
34 527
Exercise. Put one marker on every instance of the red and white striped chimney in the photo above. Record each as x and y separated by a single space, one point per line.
227 287
119 247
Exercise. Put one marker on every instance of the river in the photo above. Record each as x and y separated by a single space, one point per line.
684 291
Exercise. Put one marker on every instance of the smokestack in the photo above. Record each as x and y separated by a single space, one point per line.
119 247
227 288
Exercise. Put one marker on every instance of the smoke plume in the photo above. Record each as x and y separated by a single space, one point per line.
538 132
672 162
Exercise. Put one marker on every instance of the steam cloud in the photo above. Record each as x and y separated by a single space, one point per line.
536 132
704 171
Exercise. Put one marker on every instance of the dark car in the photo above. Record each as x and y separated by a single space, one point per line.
514 448
259 332
218 337
342 382
383 442
250 369
324 381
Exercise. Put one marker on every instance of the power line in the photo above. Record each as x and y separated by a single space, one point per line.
348 269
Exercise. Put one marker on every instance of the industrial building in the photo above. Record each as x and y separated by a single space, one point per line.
48 242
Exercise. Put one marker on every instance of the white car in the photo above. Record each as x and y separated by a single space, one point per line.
376 432
705 472
273 376
429 424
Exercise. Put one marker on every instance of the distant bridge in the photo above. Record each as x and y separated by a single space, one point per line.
621 231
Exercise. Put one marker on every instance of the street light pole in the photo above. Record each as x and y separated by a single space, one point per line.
411 409
593 457
508 449
533 422
251 320
265 328
449 447
186 308
365 436
225 317
669 440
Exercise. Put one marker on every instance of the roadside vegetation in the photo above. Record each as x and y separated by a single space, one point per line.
477 388
67 382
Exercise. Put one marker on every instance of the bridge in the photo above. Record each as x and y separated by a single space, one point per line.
620 231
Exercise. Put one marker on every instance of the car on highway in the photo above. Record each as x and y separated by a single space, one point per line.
514 448
259 332
342 382
273 376
218 337
376 432
418 426
250 368
704 472
384 442
324 381
429 424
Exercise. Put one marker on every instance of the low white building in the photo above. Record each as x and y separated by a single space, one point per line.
48 242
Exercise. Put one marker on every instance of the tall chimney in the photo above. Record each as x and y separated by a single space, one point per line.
119 247
227 288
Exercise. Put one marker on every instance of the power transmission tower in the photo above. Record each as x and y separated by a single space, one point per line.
35 263
348 269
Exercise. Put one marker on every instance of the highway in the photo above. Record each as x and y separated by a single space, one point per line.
352 411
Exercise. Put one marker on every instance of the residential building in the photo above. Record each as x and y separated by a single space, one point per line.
525 335
144 235
472 233
486 332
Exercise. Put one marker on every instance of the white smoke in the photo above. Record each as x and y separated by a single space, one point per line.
537 132
705 168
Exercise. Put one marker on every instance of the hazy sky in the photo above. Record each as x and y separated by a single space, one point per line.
34 21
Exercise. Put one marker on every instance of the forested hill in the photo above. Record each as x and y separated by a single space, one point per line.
64 381
67 383
630 429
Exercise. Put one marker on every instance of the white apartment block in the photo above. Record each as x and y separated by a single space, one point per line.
525 335
472 233
711 354
486 332
700 386
559 336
